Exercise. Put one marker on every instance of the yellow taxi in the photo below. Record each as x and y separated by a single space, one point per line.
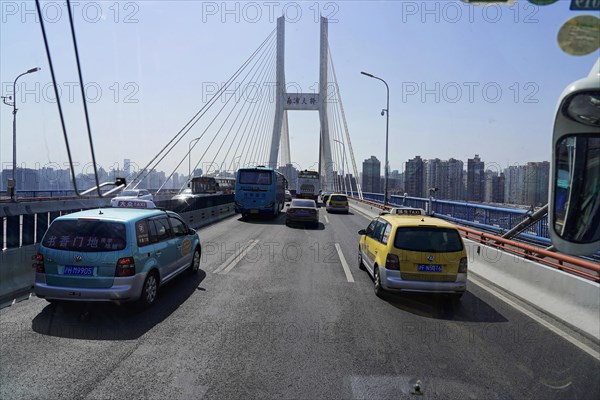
337 202
406 250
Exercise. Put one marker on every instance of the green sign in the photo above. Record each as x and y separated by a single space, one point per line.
585 5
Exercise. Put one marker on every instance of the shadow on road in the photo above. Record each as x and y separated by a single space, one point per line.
263 219
440 306
107 321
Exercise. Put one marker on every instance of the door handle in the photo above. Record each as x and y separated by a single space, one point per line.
158 253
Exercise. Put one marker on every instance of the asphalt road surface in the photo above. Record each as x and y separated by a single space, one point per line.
275 312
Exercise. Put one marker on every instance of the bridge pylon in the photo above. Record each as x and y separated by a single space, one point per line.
285 101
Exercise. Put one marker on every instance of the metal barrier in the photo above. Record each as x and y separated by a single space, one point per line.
574 265
496 219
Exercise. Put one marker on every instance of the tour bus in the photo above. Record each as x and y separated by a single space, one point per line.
308 185
212 185
259 190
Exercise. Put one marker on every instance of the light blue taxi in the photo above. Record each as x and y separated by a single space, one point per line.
120 254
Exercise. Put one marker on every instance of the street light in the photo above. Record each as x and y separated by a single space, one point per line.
344 163
14 106
387 126
190 156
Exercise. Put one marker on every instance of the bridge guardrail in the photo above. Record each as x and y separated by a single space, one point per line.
574 265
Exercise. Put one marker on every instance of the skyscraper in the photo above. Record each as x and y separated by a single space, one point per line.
371 175
475 179
414 176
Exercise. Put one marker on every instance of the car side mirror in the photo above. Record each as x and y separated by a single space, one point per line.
362 232
192 231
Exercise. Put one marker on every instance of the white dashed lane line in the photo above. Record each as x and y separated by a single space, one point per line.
349 276
236 257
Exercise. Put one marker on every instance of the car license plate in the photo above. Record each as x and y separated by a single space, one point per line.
429 268
302 213
78 271
253 211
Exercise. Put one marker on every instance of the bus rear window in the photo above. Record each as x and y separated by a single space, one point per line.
85 236
431 240
255 177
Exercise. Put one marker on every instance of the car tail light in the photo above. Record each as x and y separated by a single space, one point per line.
270 205
125 267
392 262
38 263
313 212
291 210
462 266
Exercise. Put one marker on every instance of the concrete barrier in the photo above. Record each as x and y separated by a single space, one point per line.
16 273
573 300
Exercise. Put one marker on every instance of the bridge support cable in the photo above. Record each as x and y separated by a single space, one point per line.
262 127
251 133
250 105
340 146
261 144
258 105
254 156
155 161
257 63
59 104
348 141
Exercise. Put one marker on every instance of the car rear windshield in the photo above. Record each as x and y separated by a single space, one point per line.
338 198
428 239
303 203
128 193
255 177
85 235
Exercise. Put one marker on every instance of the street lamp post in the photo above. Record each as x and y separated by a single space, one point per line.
343 164
14 112
190 157
387 126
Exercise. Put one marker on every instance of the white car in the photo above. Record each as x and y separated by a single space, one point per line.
132 194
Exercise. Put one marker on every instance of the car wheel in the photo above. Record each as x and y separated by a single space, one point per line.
195 265
149 290
361 265
379 291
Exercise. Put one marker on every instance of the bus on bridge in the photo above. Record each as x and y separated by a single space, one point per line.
259 190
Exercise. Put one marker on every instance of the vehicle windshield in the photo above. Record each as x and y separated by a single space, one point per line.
338 198
432 240
255 177
303 203
85 236
128 193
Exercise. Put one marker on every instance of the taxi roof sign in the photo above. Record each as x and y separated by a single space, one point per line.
132 203
407 211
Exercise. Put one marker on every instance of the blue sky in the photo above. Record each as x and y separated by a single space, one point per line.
491 76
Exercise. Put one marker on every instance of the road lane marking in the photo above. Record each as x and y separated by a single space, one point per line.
349 276
326 219
235 258
537 319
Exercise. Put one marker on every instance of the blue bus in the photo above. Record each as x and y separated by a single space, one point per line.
259 190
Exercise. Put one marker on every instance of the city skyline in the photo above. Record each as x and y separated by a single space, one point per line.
513 89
